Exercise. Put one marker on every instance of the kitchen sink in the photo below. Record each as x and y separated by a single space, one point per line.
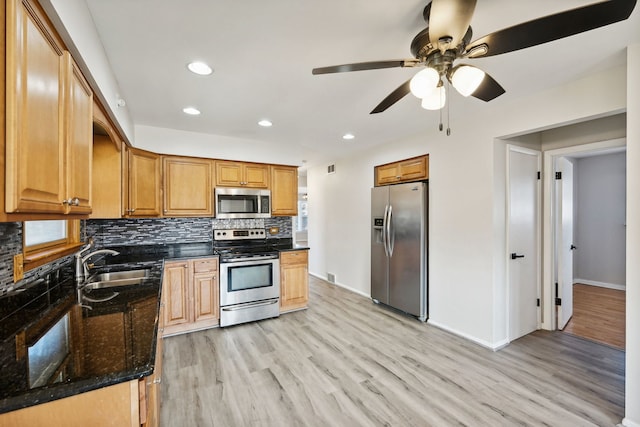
116 278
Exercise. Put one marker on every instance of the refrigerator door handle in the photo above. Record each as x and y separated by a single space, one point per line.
390 231
384 231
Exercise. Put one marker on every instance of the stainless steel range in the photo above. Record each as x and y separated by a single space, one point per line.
249 276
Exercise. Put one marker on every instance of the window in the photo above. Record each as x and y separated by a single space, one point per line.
44 233
46 241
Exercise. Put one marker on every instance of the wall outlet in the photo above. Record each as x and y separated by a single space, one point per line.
274 230
18 267
331 278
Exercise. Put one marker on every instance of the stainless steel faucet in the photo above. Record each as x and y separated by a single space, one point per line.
82 270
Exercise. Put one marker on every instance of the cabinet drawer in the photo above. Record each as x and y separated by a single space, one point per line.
294 257
205 265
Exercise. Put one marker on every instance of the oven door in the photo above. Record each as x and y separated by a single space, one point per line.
249 281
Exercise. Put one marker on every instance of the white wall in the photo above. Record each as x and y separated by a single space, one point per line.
75 25
600 220
632 373
184 143
467 203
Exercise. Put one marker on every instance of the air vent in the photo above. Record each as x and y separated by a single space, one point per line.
331 169
331 277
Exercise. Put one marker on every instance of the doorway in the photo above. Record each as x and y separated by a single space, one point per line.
577 241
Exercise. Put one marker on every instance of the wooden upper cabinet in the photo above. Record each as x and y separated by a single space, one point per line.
106 181
142 183
79 138
187 186
35 152
48 119
284 190
414 169
106 178
238 174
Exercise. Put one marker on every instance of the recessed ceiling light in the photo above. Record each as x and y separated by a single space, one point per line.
199 68
348 136
192 111
265 123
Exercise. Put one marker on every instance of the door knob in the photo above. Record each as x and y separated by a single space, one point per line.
515 255
573 247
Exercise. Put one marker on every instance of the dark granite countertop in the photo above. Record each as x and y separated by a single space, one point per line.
57 342
88 339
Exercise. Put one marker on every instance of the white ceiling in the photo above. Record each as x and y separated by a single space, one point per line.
262 53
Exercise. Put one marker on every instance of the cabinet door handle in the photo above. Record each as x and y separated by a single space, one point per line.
75 201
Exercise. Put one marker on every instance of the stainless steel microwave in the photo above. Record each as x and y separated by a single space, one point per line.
232 203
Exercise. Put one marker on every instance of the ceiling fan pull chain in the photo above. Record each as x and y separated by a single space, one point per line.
440 127
448 110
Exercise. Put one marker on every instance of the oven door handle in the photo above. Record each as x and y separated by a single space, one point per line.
247 259
249 305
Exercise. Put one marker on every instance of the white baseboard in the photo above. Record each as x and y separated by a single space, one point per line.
600 284
628 423
492 346
343 286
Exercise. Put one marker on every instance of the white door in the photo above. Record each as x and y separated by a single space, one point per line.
523 262
564 240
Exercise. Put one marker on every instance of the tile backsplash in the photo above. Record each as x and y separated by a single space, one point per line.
148 231
158 231
128 232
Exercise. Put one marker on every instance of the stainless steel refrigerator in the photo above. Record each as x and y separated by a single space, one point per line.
399 244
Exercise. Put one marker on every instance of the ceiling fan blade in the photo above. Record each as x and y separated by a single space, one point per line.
360 66
489 89
552 27
450 18
393 97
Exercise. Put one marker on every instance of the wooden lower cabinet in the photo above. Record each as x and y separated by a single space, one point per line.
190 295
149 387
294 280
116 405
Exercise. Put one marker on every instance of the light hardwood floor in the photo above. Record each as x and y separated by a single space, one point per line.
598 315
348 362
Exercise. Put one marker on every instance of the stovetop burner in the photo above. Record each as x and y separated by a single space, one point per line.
243 245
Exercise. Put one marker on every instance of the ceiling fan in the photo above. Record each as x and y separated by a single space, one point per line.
447 39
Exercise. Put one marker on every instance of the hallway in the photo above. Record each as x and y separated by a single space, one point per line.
598 315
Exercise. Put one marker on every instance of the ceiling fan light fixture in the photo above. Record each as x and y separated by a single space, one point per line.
424 82
466 79
435 99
